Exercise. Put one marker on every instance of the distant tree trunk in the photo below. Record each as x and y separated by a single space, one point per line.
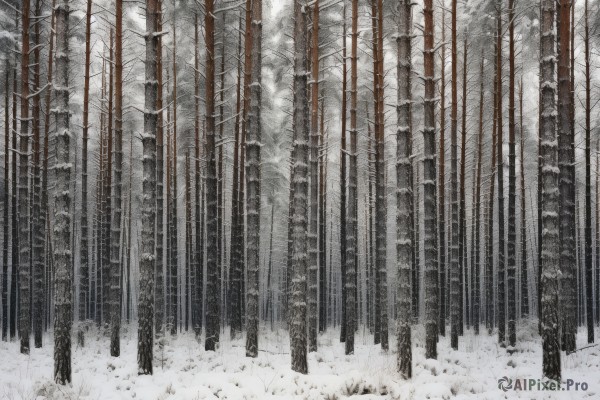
188 238
323 222
117 171
6 204
550 201
253 181
38 234
589 272
212 285
174 219
512 179
300 191
198 256
84 273
24 248
454 231
159 272
343 202
147 259
62 215
524 279
381 323
442 183
235 319
462 243
501 270
269 308
404 202
489 265
352 242
14 223
477 206
429 179
313 268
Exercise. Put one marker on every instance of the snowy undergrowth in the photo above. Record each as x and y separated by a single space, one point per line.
183 370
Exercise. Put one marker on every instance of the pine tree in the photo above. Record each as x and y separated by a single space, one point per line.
23 187
62 214
253 180
148 250
454 267
313 266
429 187
566 158
512 179
352 229
212 267
550 204
117 177
299 182
404 190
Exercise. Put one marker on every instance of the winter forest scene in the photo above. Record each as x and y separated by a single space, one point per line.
299 199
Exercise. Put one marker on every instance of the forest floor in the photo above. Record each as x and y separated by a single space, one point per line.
183 370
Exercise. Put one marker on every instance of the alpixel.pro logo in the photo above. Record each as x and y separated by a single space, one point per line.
523 384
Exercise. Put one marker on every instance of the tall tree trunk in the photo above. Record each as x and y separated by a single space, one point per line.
62 215
429 179
188 239
404 191
6 203
14 223
442 183
566 158
550 201
313 266
198 257
323 222
147 259
212 285
300 190
38 234
23 187
174 200
589 272
489 265
524 278
84 273
462 243
501 270
117 177
454 230
234 314
159 271
512 179
352 242
343 201
477 206
253 180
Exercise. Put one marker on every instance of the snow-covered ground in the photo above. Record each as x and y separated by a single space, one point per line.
183 370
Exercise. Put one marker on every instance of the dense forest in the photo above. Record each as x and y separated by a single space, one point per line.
419 179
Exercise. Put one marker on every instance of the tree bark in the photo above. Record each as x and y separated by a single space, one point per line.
550 201
23 187
404 191
253 180
512 179
213 311
352 242
147 259
429 179
62 215
313 267
300 190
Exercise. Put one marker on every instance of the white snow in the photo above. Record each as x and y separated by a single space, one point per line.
185 371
